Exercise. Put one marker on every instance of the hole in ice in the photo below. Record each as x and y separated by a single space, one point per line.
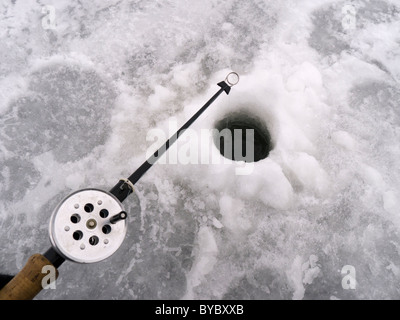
241 137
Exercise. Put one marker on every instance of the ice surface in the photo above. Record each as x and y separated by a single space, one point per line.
79 95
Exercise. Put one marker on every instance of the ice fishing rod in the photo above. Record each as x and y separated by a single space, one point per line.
89 225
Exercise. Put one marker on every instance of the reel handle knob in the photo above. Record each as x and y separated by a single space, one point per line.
118 217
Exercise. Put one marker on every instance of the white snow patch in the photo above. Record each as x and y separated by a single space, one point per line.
206 257
344 139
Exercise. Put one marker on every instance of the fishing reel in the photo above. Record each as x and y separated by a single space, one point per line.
88 226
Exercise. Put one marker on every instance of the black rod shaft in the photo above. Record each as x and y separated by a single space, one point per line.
54 257
121 190
149 162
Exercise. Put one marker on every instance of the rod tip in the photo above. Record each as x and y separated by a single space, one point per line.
232 79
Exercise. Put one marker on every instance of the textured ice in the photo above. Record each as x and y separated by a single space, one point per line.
77 101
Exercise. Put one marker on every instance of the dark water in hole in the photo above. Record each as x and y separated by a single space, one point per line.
262 138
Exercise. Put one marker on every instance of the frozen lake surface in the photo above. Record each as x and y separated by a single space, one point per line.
83 83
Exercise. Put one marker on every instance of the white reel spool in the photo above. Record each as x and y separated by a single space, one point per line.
83 227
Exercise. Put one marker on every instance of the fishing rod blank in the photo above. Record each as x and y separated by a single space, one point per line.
90 224
125 186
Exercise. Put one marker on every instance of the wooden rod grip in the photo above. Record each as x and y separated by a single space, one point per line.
28 282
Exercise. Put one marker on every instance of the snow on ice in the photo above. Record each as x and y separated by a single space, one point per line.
78 98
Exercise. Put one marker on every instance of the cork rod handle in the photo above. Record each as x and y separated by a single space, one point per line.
28 282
